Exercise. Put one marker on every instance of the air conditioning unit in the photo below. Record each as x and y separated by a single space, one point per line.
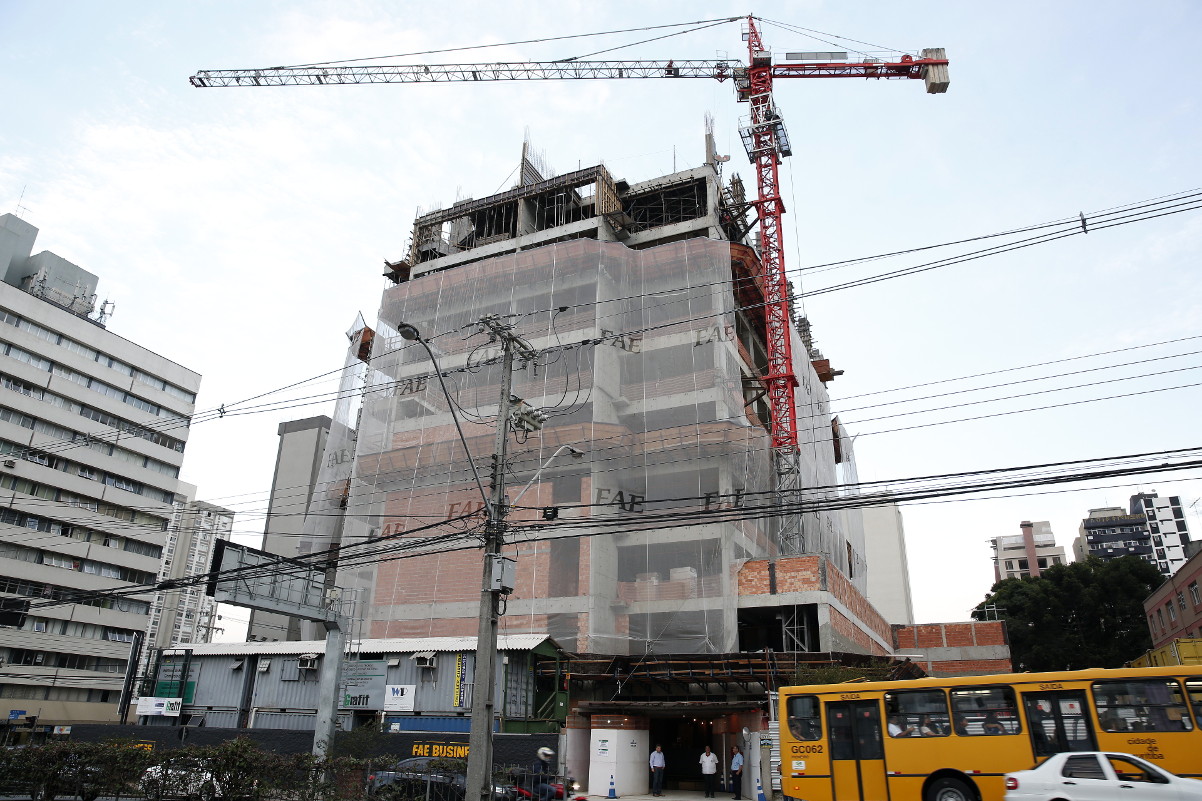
307 662
426 661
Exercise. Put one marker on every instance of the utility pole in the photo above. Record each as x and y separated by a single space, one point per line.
496 580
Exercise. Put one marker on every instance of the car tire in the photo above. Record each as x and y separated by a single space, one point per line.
949 789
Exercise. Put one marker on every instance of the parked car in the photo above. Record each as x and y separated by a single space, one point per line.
183 778
1098 776
428 779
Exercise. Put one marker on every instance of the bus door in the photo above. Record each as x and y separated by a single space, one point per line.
857 751
1058 722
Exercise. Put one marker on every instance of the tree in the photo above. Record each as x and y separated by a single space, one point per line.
1081 615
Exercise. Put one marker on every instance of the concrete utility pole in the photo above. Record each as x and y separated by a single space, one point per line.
325 723
497 578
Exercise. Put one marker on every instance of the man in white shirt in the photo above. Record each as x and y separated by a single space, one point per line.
709 772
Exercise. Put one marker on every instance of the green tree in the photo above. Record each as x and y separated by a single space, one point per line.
1081 615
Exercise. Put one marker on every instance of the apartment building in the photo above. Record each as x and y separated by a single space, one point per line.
1167 527
1026 554
1154 529
92 435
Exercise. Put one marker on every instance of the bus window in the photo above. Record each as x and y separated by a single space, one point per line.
1150 705
917 713
980 711
804 722
1194 688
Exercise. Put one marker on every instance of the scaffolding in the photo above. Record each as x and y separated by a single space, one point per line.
651 367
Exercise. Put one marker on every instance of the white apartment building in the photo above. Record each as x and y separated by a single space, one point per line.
1028 553
889 568
1167 527
92 433
187 614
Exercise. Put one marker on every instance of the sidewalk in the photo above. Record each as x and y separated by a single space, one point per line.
671 795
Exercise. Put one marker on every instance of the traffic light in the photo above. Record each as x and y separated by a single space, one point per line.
13 611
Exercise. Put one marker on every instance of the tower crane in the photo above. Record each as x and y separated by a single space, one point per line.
764 138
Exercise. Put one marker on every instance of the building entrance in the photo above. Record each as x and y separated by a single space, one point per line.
683 740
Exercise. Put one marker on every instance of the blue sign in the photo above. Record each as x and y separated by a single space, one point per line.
13 714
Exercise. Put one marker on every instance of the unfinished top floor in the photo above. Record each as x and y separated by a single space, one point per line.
587 203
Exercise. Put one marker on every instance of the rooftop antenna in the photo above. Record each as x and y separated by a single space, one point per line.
21 203
106 311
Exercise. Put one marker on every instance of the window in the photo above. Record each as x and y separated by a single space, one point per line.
917 713
1128 770
1083 767
1152 705
804 720
1194 594
1172 612
980 711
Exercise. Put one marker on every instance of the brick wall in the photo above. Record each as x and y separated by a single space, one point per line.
971 648
850 632
850 597
793 574
966 667
813 573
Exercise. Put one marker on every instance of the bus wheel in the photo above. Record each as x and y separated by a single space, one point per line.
949 789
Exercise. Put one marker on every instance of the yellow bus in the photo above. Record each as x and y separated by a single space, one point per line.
954 739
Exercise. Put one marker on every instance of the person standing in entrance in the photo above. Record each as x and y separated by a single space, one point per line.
709 772
657 771
736 771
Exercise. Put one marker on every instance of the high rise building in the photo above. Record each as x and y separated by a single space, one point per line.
92 432
1111 532
888 567
1167 527
1026 554
1154 529
298 460
643 511
187 614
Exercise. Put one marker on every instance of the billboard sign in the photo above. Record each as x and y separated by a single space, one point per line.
399 697
362 684
155 706
265 581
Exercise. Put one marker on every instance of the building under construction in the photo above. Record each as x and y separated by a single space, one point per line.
647 520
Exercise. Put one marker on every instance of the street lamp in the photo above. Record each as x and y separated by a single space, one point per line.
572 449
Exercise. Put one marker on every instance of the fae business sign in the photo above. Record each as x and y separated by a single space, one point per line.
362 685
399 697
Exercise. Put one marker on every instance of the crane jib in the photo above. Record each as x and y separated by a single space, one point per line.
552 70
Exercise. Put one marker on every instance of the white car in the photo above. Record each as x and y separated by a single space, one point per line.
1099 776
183 778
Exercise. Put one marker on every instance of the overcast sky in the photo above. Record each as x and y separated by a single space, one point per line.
239 231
